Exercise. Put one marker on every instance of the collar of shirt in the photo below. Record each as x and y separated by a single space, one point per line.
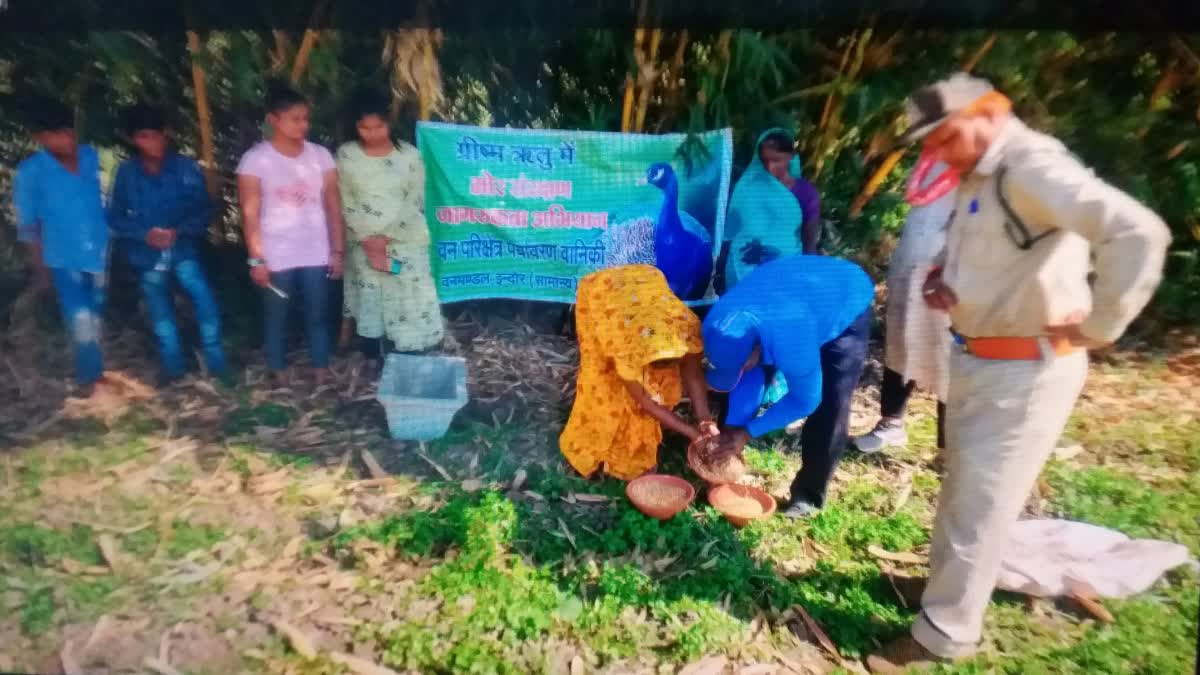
990 162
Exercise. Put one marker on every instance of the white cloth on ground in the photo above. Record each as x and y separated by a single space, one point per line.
1049 558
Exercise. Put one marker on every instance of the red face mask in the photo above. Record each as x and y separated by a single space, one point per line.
941 185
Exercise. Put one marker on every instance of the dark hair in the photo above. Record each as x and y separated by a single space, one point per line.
144 117
281 97
368 102
49 114
779 142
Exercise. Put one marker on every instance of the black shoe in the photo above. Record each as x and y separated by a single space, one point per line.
799 509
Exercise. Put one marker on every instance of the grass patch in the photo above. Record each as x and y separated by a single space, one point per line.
37 546
1109 498
37 611
186 537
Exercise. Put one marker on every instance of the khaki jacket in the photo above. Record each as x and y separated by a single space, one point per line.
1006 291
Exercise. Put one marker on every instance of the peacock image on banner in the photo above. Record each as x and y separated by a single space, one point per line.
524 214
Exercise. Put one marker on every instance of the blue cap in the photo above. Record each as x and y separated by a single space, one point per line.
729 339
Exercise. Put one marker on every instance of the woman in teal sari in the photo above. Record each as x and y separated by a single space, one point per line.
774 212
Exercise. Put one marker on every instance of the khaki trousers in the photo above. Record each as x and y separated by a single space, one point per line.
1004 419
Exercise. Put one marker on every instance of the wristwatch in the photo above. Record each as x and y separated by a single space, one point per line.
254 262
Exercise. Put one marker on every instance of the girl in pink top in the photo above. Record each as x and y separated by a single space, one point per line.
292 219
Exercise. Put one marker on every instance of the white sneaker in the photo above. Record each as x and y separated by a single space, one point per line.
884 435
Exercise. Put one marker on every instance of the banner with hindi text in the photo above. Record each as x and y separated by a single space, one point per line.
524 214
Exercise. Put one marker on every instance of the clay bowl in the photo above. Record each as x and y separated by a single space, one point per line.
728 471
660 496
741 504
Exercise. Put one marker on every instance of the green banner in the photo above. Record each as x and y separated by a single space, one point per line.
525 213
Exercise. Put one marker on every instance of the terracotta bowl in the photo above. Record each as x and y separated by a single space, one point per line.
741 504
660 496
728 471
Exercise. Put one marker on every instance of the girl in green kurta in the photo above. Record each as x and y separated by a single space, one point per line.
389 288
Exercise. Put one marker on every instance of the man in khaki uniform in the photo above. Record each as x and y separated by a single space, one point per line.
1013 278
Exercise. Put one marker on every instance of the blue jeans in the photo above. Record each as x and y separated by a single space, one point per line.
309 288
81 300
826 431
156 288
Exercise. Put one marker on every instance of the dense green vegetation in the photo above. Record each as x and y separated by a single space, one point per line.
1127 103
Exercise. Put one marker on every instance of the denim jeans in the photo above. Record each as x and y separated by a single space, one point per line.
81 300
307 287
826 432
156 288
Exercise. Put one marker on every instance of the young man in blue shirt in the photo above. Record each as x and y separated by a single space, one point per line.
159 213
60 216
808 318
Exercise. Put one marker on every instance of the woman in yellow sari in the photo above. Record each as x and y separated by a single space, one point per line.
639 348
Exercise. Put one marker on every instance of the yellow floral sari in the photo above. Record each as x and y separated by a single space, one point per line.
628 322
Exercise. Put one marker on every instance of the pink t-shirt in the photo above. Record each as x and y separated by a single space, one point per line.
294 230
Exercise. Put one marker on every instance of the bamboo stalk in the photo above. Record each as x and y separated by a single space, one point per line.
279 54
648 76
1166 82
828 108
984 48
308 42
889 163
639 36
208 154
674 91
425 95
875 181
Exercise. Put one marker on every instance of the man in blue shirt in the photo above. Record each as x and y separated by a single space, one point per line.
809 319
159 212
56 192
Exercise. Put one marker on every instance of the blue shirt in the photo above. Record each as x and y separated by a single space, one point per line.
791 307
62 210
174 198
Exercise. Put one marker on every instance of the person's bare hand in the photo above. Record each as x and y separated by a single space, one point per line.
376 249
727 444
708 429
260 275
337 265
937 294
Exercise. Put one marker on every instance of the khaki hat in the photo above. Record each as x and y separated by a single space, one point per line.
933 104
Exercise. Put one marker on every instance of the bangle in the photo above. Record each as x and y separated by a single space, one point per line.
254 262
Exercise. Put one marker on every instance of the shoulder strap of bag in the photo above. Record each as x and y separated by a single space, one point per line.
1014 226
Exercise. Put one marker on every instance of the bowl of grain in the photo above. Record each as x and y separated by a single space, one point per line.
741 504
660 496
728 470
